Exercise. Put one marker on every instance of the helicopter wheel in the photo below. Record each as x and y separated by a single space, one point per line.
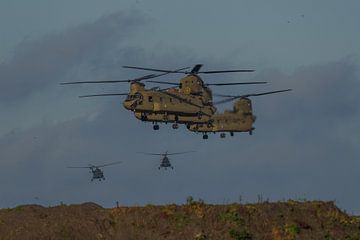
188 126
250 132
232 134
222 135
156 127
205 136
175 126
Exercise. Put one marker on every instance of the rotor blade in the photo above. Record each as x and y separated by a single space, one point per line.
231 97
226 71
156 154
104 94
149 76
158 70
223 95
265 93
226 100
163 82
78 167
177 153
108 164
105 81
196 69
238 83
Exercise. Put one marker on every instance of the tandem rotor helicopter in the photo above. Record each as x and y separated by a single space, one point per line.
96 171
189 102
165 161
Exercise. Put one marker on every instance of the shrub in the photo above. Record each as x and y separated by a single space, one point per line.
292 229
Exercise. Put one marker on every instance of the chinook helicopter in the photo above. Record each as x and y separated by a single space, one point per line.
240 119
165 161
97 173
190 102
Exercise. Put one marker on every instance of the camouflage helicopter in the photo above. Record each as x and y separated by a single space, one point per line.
240 119
190 102
96 171
165 161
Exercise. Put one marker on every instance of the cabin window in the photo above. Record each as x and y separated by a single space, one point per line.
150 98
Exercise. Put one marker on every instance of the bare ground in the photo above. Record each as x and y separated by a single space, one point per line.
196 220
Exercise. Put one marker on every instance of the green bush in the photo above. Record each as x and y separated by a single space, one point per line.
292 229
189 200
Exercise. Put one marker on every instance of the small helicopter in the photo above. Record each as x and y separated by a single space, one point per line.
190 101
240 119
96 171
165 161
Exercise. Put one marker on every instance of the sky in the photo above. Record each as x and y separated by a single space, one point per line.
305 144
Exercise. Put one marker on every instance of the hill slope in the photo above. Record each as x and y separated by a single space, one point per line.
289 220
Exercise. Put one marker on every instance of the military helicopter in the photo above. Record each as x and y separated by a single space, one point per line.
240 119
189 102
96 171
165 161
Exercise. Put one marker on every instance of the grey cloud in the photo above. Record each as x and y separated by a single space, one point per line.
38 63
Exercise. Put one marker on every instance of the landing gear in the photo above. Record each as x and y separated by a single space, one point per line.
250 132
144 117
156 127
222 135
175 126
232 134
205 136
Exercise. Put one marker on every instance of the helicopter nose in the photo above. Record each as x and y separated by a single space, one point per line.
129 105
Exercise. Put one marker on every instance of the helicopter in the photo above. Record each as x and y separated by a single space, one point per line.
97 173
239 119
165 161
190 101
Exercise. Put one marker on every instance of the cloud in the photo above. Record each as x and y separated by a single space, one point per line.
39 63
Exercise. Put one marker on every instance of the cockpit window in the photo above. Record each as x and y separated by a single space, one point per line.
135 96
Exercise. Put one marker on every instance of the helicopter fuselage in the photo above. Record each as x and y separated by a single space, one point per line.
190 103
97 174
165 163
240 119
